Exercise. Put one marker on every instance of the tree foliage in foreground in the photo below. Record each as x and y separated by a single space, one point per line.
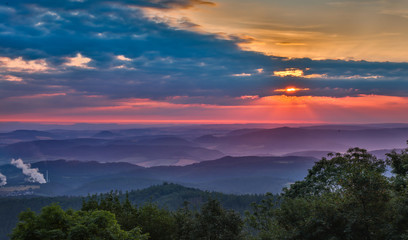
53 223
212 222
106 217
168 195
347 196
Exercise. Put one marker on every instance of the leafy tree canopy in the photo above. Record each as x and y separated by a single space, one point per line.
344 196
53 223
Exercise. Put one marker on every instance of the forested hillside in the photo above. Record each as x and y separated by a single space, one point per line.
168 196
344 196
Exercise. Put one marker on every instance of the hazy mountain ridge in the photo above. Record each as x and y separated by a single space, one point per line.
185 145
77 177
25 135
279 141
160 151
260 159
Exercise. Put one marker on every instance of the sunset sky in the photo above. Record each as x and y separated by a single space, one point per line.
198 61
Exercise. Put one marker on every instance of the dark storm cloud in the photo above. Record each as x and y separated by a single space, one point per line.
159 60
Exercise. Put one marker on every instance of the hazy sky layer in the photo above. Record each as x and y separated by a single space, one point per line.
193 61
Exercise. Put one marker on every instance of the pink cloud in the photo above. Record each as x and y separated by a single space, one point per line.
78 61
21 65
10 78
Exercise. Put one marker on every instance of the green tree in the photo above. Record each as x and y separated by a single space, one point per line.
53 223
185 223
344 197
399 165
354 171
159 223
216 223
262 217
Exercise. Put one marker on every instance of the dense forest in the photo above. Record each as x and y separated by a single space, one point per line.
344 196
167 196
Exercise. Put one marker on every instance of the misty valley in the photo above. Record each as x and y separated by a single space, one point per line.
169 166
230 159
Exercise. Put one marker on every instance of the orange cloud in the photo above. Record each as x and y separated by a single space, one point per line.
290 44
293 72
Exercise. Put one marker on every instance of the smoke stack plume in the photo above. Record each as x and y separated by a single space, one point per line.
32 173
3 180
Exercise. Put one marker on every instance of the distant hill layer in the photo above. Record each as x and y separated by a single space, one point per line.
286 140
191 144
250 175
145 152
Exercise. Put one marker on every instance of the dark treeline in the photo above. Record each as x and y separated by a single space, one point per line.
344 196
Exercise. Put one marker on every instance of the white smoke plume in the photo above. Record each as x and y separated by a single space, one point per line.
3 180
32 173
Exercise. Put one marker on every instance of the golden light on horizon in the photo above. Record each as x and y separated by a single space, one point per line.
291 89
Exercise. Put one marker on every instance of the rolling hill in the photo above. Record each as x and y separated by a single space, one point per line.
280 141
142 151
229 174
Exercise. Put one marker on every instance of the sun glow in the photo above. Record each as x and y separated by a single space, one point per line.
291 89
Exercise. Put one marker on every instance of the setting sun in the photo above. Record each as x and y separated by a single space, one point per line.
291 89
